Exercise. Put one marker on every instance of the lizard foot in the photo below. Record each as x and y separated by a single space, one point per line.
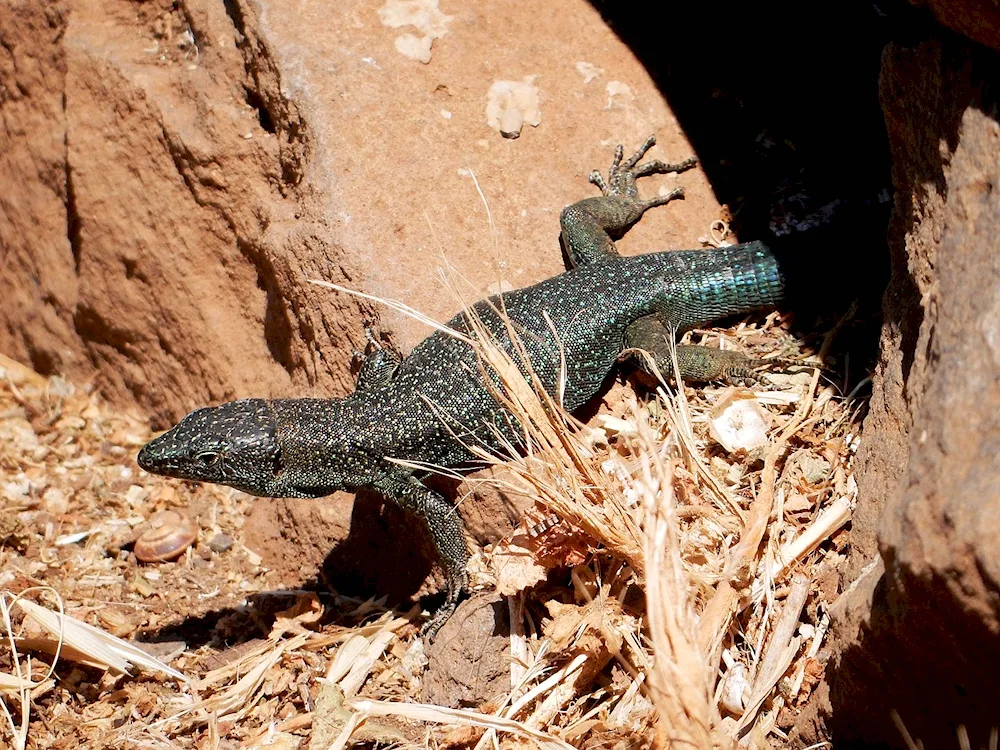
378 363
648 344
622 176
590 227
458 584
702 364
371 344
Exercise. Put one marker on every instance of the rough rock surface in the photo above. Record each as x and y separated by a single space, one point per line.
35 233
188 166
169 254
923 638
340 544
469 660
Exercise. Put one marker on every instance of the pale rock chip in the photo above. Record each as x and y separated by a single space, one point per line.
739 422
510 105
425 16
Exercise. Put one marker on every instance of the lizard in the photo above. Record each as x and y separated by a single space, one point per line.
428 407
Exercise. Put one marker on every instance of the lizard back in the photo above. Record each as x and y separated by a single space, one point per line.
578 318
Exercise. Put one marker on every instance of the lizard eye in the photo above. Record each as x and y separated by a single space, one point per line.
207 458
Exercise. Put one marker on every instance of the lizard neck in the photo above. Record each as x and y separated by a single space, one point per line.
324 445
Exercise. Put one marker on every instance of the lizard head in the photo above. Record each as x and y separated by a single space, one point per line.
235 444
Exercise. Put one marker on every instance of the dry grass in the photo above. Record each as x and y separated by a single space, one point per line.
694 616
624 499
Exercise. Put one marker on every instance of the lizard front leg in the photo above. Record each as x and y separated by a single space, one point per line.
590 226
377 365
447 532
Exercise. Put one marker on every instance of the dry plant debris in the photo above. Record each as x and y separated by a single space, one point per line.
698 572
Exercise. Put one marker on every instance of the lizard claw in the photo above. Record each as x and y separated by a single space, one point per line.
591 226
623 174
458 584
371 344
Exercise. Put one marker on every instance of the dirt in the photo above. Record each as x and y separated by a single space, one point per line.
469 661
247 644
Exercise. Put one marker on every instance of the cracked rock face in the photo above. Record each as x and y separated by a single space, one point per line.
156 171
917 632
185 167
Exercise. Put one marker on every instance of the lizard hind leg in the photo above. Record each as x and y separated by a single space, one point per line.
700 364
448 533
590 227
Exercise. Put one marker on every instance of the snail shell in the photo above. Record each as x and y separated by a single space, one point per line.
168 535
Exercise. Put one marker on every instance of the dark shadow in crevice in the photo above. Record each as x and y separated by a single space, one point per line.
907 659
785 119
277 318
774 106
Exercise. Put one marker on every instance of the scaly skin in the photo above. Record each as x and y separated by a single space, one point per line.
427 407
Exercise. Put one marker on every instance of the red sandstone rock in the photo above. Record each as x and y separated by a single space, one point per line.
922 637
184 172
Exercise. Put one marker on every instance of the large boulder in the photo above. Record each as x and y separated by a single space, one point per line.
918 633
185 168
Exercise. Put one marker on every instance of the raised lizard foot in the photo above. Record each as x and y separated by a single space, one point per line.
590 226
622 177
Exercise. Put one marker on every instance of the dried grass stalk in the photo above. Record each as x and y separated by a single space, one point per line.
738 575
781 651
680 679
92 645
236 701
557 467
451 717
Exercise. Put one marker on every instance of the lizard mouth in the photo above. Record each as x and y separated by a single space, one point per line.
143 459
155 460
149 458
161 456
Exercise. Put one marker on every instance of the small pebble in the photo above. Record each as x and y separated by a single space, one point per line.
814 469
221 543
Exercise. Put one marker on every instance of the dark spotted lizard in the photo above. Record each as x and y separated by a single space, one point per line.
425 408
